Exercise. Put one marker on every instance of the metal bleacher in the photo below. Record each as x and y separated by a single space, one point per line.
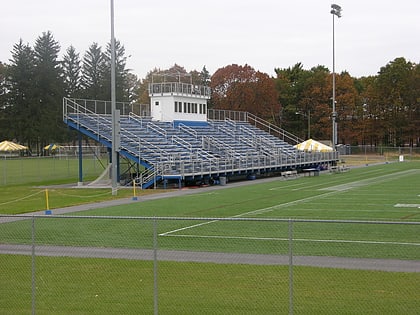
229 144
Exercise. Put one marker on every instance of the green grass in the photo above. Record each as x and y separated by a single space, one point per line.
365 194
21 178
30 170
70 285
112 286
19 199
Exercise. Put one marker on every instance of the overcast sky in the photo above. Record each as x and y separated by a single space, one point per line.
265 34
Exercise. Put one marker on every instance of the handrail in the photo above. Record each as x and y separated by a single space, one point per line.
157 129
179 88
104 107
182 142
107 126
137 118
226 130
231 122
213 142
188 129
271 128
223 115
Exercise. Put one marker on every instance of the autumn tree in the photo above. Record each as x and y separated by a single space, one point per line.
366 129
399 101
347 103
304 96
242 88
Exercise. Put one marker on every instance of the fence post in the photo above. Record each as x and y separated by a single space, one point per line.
33 266
290 267
155 268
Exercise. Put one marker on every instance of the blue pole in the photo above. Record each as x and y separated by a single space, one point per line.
80 160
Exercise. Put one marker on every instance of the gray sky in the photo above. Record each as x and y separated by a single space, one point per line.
265 34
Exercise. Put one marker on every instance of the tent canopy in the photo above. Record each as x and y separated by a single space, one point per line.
311 145
11 146
51 147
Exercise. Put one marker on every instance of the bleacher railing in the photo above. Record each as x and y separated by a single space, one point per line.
104 107
229 115
179 89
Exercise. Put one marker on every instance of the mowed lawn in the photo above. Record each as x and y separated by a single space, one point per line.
318 212
66 285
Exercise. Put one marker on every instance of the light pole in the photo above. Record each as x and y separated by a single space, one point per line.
307 115
335 11
114 113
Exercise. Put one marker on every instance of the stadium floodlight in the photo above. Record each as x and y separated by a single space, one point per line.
335 11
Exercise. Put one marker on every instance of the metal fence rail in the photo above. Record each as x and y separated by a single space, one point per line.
181 265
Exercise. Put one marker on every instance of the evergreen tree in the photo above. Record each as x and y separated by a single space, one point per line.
72 72
49 90
3 101
205 77
20 106
121 86
92 72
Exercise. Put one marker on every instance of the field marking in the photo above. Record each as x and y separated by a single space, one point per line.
407 205
258 211
375 180
187 227
301 186
295 239
203 194
332 190
286 186
337 180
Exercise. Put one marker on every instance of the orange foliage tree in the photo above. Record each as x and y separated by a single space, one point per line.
242 88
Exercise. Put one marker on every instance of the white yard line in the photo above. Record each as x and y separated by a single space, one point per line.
333 190
295 239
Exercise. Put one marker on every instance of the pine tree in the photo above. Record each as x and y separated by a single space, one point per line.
121 86
49 90
72 72
92 72
20 103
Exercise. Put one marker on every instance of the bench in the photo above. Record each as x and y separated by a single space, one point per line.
287 174
339 169
310 172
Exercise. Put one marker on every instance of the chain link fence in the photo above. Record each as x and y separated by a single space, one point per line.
23 170
153 265
386 152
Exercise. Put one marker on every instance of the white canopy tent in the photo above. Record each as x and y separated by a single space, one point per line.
311 145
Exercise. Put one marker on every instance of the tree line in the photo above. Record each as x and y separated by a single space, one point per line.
374 110
34 82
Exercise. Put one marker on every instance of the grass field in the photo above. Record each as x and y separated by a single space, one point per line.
370 195
31 170
99 286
